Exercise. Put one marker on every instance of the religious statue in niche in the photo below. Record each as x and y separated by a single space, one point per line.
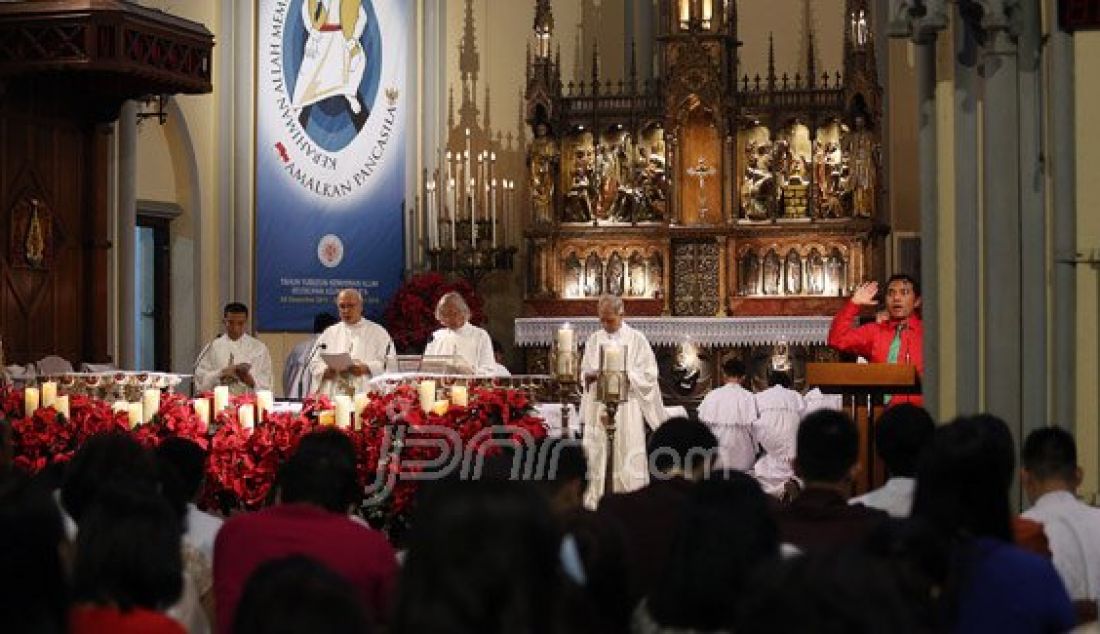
637 275
773 273
31 235
834 273
758 183
702 172
593 276
815 273
794 273
542 165
578 203
829 179
861 31
615 274
792 172
656 276
863 159
750 274
574 277
652 190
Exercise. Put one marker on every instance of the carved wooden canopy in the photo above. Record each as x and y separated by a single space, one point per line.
108 50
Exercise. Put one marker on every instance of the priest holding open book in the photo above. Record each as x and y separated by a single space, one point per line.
349 353
897 339
469 348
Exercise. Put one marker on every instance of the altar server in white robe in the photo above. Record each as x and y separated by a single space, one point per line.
470 346
235 358
776 431
643 404
729 411
367 343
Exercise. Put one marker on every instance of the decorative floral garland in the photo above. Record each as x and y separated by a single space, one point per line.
394 446
410 316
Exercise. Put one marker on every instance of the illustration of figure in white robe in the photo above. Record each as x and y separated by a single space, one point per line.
334 59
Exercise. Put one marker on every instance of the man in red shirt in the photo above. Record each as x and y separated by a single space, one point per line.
897 339
317 488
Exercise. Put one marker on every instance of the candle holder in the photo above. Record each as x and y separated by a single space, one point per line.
564 366
612 385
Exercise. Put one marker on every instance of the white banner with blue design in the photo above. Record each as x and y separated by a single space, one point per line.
331 112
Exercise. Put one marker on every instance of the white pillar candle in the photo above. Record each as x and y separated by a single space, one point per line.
133 412
150 404
120 406
221 398
343 410
30 401
62 405
359 403
613 358
427 395
566 338
246 416
202 409
48 393
265 402
460 397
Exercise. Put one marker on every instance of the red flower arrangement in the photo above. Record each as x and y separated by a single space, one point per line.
410 315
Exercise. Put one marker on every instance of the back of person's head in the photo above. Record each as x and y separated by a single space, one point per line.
827 447
733 368
561 470
602 603
683 447
1050 455
185 461
128 550
102 459
780 378
902 433
31 537
963 479
323 320
724 535
297 594
828 592
321 472
483 558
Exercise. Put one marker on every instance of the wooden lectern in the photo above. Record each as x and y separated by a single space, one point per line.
864 384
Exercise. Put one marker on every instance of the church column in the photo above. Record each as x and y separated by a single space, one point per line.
967 258
432 112
127 236
1062 145
240 187
1001 312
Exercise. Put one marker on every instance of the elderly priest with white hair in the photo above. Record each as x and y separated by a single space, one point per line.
469 346
643 403
367 343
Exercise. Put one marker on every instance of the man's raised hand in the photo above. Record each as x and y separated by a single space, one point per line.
864 294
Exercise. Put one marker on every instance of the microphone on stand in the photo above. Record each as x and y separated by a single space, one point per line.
198 360
305 369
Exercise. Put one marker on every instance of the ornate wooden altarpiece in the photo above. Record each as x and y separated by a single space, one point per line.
705 192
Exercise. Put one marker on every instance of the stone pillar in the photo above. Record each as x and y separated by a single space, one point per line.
929 210
127 237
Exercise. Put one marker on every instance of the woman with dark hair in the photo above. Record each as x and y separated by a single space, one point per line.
725 534
34 595
298 594
963 483
128 565
483 559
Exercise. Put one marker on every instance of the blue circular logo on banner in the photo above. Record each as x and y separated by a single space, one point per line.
332 60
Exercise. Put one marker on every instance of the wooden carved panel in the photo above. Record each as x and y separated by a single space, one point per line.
695 278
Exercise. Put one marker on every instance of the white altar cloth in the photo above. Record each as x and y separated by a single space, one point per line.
701 331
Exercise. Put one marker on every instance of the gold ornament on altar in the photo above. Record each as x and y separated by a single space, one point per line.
31 235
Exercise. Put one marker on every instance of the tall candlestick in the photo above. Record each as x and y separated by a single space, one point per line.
469 170
473 219
493 209
454 210
30 401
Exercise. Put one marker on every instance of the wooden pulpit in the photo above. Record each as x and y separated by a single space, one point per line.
863 386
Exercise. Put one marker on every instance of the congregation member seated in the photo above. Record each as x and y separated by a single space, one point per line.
316 488
825 460
483 558
236 358
775 430
729 411
297 381
186 461
681 452
725 534
1050 476
128 569
102 459
901 434
989 584
298 594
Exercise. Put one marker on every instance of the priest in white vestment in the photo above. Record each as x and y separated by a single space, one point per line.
367 343
334 60
235 358
643 404
470 347
729 411
776 431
